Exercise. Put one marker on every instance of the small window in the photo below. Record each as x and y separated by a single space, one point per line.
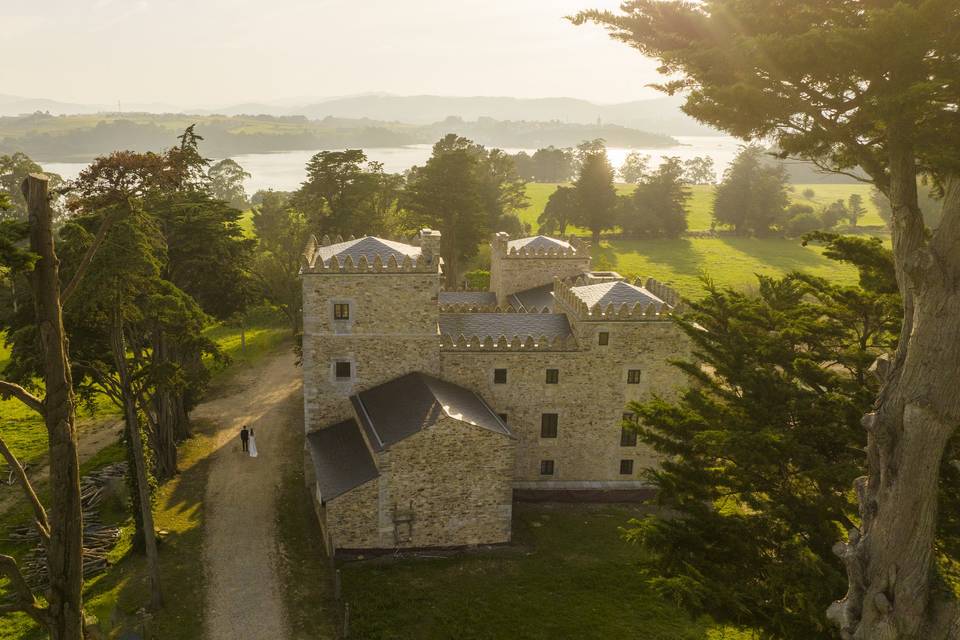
628 435
603 338
553 376
341 311
546 467
342 370
548 425
626 467
500 376
503 417
633 376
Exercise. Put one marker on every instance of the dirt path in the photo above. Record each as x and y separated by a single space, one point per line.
240 554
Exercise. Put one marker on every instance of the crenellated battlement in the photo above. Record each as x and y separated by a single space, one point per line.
462 307
539 247
461 342
636 312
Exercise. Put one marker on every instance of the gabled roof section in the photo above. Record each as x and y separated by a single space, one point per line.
534 243
615 293
368 247
398 409
341 459
533 299
508 325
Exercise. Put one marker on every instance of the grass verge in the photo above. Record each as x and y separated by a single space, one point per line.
567 575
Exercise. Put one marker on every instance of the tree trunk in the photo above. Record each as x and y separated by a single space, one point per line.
140 466
164 400
895 592
65 552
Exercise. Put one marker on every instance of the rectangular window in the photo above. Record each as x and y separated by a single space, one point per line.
548 425
633 376
341 311
626 467
603 338
342 370
546 467
553 376
500 376
628 437
503 417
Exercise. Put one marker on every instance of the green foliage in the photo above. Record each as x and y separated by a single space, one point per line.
560 209
346 195
545 165
634 168
226 183
14 169
928 199
282 233
753 196
855 208
760 454
464 191
477 280
699 170
594 190
657 208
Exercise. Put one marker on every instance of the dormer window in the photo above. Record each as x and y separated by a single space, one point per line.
341 311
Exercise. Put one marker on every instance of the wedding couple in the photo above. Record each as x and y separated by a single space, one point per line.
248 441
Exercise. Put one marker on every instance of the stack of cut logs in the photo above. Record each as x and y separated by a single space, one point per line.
98 539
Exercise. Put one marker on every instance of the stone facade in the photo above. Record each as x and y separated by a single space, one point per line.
451 483
517 270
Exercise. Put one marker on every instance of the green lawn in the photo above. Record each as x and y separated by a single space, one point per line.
567 575
699 207
728 261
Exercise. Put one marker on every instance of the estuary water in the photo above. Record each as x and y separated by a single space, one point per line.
285 171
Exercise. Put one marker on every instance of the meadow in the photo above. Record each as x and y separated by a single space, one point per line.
567 574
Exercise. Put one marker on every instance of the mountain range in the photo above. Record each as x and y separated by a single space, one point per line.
659 115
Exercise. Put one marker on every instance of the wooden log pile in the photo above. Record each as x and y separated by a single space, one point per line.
98 539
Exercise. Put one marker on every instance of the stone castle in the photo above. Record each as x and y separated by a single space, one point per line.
426 410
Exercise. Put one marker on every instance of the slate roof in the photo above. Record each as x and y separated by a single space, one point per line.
536 242
535 298
510 325
341 459
480 298
615 293
368 246
398 409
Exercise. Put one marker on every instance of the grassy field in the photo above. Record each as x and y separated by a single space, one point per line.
567 575
700 205
733 262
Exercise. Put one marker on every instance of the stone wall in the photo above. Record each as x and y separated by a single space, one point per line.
392 331
590 399
448 485
351 519
510 274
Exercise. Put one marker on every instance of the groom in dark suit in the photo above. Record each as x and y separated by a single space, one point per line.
245 438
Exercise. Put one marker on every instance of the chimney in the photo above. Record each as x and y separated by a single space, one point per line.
430 244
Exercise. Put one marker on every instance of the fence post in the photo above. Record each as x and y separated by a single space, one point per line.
346 620
336 585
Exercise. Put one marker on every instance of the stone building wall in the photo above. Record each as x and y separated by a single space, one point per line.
392 331
351 519
590 399
449 485
454 481
509 274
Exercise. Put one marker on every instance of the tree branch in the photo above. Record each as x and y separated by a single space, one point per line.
39 513
88 256
11 390
25 600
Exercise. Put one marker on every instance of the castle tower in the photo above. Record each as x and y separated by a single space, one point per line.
528 263
369 315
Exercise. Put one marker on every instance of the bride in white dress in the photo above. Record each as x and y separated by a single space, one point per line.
252 445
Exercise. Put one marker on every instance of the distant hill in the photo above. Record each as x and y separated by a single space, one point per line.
659 115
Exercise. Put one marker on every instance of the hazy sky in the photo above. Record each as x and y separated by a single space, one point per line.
217 52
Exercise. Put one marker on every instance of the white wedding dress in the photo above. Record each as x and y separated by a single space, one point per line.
252 445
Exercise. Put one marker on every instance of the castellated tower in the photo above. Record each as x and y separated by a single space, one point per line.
369 315
525 263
